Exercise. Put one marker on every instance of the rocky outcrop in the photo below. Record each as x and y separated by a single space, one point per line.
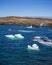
12 20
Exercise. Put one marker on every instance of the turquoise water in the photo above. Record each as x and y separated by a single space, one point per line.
15 52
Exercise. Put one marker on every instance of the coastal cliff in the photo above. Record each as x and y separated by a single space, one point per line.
26 21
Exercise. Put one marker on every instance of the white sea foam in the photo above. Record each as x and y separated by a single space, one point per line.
27 31
33 47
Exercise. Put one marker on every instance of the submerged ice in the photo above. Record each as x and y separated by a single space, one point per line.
19 36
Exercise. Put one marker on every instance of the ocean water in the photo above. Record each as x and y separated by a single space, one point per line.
16 52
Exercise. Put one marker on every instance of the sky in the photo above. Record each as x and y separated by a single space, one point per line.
26 8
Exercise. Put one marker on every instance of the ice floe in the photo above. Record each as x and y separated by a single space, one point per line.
36 38
29 26
10 36
19 36
33 47
15 36
26 31
43 40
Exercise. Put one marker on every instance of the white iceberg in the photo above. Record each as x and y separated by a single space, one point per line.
47 42
33 47
19 36
29 27
42 24
10 36
26 31
43 40
36 38
15 37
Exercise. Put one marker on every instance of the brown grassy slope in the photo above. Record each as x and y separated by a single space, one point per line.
26 21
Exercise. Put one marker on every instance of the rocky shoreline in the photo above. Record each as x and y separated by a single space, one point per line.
26 21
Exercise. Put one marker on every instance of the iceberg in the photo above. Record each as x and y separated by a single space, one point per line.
36 38
43 40
19 36
10 36
41 24
15 37
33 47
29 27
26 31
46 42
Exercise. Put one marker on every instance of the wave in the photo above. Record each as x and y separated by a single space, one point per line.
33 47
16 36
25 31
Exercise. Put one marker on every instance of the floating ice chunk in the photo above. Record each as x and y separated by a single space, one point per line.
19 36
10 36
41 24
9 29
36 38
15 37
27 31
33 47
29 27
43 40
48 42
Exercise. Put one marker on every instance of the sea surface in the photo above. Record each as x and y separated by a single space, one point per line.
16 52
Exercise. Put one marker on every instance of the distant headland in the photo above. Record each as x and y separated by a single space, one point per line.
26 21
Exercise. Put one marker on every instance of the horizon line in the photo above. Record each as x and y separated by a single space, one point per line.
27 16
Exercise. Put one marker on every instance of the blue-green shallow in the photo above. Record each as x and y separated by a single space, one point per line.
15 52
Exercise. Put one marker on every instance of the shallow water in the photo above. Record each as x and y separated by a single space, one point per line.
15 52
